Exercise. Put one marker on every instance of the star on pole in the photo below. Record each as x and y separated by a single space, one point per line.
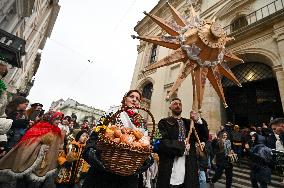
200 45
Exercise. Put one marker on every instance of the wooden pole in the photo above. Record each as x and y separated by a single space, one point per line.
194 108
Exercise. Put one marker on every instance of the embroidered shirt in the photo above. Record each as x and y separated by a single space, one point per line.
178 170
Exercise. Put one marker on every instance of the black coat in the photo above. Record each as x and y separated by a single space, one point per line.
271 141
170 147
99 178
219 153
260 168
18 128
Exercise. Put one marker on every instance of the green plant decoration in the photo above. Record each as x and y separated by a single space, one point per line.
2 87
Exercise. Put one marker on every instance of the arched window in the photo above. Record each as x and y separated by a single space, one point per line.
239 23
249 72
153 54
147 91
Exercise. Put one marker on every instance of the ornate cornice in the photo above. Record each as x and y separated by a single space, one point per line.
234 6
278 68
279 33
242 11
141 47
55 10
273 58
249 42
212 8
145 74
162 11
166 86
25 7
145 81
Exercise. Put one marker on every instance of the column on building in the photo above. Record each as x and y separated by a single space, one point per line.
279 37
211 111
280 80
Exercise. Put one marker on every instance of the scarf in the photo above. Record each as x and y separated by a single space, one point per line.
43 127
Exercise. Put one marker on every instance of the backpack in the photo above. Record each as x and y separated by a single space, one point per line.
263 152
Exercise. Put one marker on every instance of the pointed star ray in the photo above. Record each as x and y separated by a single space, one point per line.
190 32
197 43
165 41
229 74
214 78
232 57
186 69
164 25
193 14
175 57
177 17
200 75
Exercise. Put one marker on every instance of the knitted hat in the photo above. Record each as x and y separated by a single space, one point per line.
252 133
79 134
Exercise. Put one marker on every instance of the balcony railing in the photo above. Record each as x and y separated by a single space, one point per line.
255 16
11 48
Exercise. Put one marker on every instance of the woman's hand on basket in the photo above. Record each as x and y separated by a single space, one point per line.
145 166
94 160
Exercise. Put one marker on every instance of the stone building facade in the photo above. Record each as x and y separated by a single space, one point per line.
258 29
32 21
82 111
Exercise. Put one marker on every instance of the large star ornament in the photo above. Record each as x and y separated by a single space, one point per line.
200 45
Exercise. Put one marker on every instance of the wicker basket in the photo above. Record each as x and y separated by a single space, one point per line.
120 158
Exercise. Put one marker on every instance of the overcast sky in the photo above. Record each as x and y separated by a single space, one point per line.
90 30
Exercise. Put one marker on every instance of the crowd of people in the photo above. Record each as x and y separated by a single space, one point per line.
52 149
261 145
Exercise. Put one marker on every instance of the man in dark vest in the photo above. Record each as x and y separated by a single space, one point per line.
177 160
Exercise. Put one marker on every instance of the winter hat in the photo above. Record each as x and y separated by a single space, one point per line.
79 134
36 104
252 133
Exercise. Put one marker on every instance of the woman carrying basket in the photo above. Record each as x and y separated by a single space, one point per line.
98 176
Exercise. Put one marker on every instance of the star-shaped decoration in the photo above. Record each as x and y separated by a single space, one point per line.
200 45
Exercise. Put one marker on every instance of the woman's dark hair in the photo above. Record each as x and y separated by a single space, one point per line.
129 93
12 106
3 70
220 134
79 134
68 118
256 137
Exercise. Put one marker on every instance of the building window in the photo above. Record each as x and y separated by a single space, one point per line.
249 72
153 54
147 91
239 23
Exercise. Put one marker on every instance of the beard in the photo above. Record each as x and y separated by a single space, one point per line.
176 112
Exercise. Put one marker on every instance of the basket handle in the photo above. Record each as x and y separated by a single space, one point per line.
125 108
